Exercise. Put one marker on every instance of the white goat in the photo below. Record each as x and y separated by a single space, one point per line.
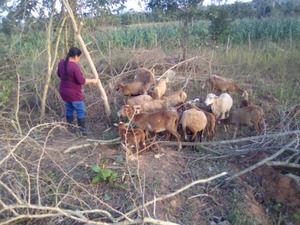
220 105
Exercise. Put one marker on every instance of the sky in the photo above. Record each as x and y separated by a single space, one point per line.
133 4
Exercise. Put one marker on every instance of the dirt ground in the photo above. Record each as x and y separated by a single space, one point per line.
157 183
262 196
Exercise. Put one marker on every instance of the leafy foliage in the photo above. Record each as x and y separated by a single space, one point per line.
220 19
103 175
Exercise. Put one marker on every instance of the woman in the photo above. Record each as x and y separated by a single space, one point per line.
70 87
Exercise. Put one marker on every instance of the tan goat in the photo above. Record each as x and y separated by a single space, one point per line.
247 116
130 89
131 136
195 121
218 83
211 121
146 76
139 100
175 98
160 89
152 106
156 122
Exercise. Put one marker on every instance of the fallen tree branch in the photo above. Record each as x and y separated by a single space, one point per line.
178 64
262 161
202 145
93 143
197 144
284 164
205 195
174 193
253 138
297 132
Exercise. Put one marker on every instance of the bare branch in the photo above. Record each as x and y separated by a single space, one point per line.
282 150
176 192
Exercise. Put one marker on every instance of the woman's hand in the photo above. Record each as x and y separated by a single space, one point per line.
91 81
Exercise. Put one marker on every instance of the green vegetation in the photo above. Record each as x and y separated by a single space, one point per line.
169 34
103 175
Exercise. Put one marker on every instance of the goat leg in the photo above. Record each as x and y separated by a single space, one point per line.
235 131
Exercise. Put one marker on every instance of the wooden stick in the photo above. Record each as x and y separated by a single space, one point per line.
93 143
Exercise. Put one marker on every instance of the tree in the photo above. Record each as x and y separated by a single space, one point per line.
23 10
220 18
182 9
240 10
264 7
86 52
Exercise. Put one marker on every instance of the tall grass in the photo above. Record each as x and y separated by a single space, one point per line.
271 69
170 34
265 29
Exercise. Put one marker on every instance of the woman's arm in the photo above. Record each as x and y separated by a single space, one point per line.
91 81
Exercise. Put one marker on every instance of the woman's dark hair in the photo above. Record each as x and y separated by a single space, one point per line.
72 53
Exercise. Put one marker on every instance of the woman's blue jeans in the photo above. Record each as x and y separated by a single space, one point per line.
77 106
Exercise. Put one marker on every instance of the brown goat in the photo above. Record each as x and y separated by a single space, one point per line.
211 121
195 121
131 136
146 77
156 122
248 116
218 83
130 89
245 100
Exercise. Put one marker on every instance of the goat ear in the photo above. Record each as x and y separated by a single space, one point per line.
115 124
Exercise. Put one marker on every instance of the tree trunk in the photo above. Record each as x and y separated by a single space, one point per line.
86 52
185 38
51 61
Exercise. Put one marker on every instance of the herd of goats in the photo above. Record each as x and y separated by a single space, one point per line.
149 109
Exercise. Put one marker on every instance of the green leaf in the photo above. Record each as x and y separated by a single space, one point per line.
106 174
296 216
120 158
106 197
96 180
97 168
113 177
